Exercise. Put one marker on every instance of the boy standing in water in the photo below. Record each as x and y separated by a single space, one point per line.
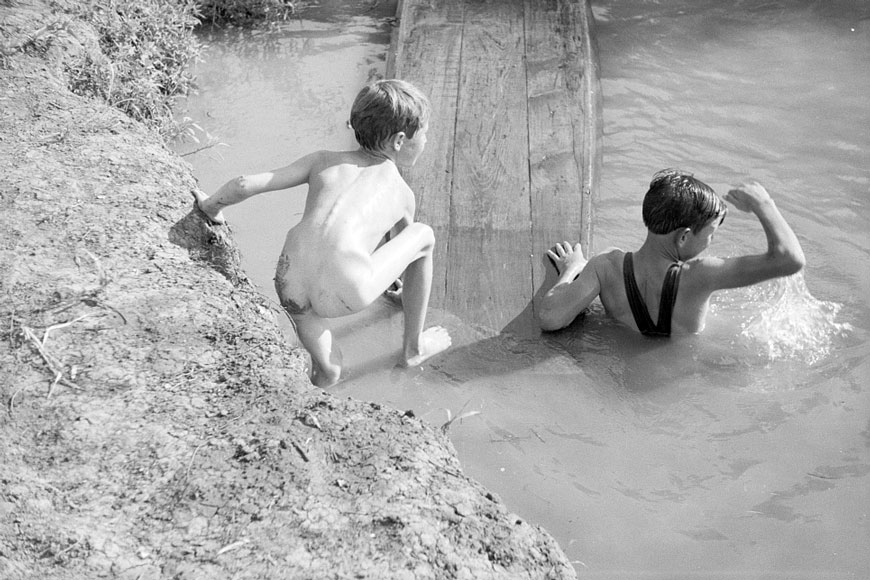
357 234
681 214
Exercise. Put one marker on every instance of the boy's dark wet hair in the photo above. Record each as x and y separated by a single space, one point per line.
677 200
385 108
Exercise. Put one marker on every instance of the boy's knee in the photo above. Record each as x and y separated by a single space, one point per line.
425 234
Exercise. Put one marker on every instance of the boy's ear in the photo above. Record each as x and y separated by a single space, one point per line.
398 140
682 236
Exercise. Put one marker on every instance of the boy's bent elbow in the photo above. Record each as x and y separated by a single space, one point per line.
548 325
797 261
788 261
549 320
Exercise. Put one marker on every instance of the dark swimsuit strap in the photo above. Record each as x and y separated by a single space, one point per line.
638 306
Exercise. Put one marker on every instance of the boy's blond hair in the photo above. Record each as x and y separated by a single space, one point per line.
385 108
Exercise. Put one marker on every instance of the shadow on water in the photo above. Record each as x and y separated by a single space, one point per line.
592 350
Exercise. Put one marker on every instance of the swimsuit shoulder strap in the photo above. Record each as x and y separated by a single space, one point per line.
666 305
635 300
669 297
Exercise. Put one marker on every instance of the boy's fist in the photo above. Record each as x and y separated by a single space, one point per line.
747 196
203 206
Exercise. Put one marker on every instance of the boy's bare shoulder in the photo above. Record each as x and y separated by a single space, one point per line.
705 265
609 258
326 157
607 266
702 273
330 157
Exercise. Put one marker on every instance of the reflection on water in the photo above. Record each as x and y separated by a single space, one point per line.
740 453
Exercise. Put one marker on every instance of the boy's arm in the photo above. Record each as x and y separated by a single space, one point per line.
241 188
784 254
577 287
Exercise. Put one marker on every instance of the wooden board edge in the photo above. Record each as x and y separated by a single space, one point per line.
594 130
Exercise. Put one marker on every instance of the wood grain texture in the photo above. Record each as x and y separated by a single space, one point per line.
488 273
513 157
425 50
564 122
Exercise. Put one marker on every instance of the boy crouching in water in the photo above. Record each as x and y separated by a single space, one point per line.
357 235
664 281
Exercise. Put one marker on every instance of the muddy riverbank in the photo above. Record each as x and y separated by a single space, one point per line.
154 423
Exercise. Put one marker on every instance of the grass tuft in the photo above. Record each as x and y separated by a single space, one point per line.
145 49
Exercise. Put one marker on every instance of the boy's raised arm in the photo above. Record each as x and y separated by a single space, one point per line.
784 255
241 188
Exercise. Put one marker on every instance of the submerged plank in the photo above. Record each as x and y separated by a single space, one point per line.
425 50
488 251
564 122
513 155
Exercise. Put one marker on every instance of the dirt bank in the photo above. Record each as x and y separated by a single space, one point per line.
154 424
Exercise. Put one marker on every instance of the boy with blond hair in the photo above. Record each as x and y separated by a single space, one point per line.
357 234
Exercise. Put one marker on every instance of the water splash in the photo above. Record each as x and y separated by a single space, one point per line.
793 324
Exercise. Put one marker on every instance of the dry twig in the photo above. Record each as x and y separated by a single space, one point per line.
233 546
61 325
52 363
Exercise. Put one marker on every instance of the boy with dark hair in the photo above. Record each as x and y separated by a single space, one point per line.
664 280
357 235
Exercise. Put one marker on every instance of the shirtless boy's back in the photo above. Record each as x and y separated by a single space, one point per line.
353 199
357 234
664 287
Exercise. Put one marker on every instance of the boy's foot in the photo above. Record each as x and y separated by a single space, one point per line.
433 340
322 379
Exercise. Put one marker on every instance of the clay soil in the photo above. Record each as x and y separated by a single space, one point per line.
154 423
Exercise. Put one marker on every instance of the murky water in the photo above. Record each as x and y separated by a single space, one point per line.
740 453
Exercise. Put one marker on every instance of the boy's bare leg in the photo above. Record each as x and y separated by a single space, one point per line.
318 341
420 344
411 250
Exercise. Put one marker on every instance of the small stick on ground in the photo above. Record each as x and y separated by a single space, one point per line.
192 457
61 325
11 404
49 360
233 546
54 383
299 450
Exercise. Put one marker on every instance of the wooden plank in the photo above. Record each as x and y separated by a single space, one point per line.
564 123
513 157
425 51
583 44
488 274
